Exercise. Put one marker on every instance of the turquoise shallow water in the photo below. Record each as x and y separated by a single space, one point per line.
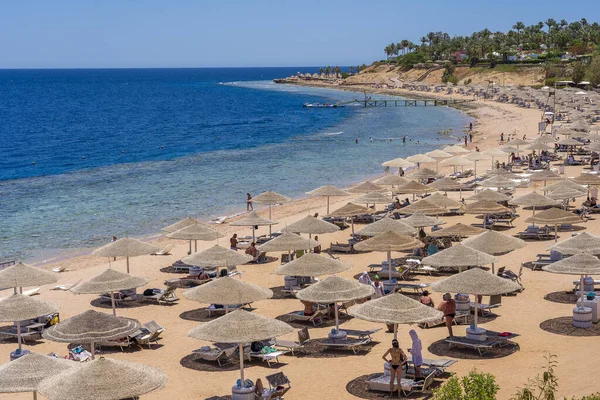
254 136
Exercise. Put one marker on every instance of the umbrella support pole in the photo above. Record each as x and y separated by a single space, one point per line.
196 246
352 219
269 218
395 331
226 308
241 350
337 318
93 348
253 235
327 205
581 289
19 339
309 240
127 264
555 233
112 302
493 271
389 260
34 395
190 252
476 312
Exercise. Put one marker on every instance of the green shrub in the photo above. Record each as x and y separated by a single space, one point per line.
345 75
474 386
578 74
408 60
542 387
467 81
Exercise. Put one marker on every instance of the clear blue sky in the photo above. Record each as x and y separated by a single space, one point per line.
202 33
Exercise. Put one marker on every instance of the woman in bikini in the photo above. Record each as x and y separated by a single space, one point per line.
399 358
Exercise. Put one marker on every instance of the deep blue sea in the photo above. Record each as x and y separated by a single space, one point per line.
87 154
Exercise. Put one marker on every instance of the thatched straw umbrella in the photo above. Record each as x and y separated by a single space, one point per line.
424 173
477 156
459 256
240 327
388 242
217 256
422 206
458 230
494 153
545 176
419 159
310 265
25 373
311 225
24 275
438 154
399 163
440 200
391 180
365 187
103 379
588 180
110 281
227 291
455 149
373 198
126 247
414 188
581 243
91 327
395 309
271 199
351 210
555 216
446 184
327 191
195 232
489 195
519 142
534 199
420 220
498 181
477 282
565 183
335 289
457 161
17 308
494 243
288 242
484 207
565 194
385 225
181 224
253 219
539 147
582 264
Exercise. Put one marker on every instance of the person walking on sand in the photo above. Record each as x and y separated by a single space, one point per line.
397 361
448 307
114 239
465 140
502 137
470 138
470 126
249 202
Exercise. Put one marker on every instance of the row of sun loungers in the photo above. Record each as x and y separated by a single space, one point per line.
493 339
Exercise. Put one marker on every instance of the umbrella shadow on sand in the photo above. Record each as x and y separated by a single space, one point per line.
564 326
441 349
562 297
106 304
278 293
192 361
202 315
358 387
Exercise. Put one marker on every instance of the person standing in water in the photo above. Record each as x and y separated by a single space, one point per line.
249 202
396 362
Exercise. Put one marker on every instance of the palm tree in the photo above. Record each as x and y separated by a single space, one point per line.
404 44
327 70
351 70
321 70
519 26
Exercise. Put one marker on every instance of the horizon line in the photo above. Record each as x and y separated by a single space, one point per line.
228 67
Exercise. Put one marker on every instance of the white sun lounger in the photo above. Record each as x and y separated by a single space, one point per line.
346 343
